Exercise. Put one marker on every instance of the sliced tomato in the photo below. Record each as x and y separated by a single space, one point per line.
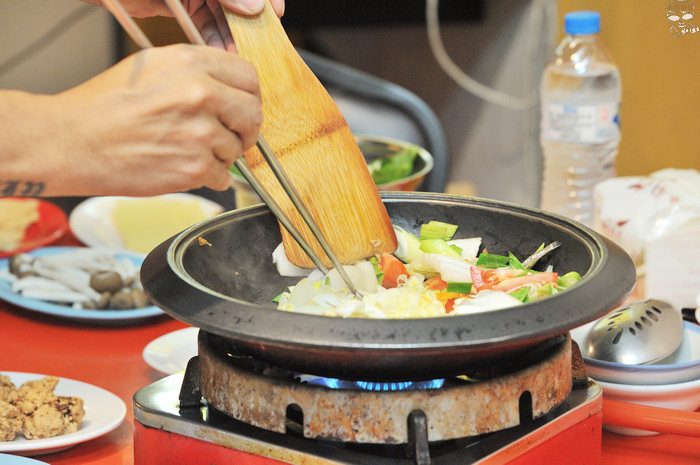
392 268
514 283
436 283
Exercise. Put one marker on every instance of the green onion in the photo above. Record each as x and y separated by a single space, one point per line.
409 246
438 246
514 263
457 249
521 294
489 260
437 230
568 280
543 291
462 288
377 271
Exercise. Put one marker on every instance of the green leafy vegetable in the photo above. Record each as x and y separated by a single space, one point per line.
394 167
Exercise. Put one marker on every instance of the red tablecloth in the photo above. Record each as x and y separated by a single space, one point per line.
110 356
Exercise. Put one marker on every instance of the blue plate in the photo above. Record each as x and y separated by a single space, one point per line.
68 312
9 459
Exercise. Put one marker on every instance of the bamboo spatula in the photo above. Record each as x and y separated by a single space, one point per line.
312 141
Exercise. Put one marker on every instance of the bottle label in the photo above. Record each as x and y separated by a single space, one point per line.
580 123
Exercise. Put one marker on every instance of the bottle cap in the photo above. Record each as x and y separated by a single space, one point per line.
582 22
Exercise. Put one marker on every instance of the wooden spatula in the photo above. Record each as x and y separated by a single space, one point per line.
312 141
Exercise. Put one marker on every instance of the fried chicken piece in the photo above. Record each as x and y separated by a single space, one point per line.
45 414
8 391
10 421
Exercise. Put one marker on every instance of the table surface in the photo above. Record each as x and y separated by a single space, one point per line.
110 356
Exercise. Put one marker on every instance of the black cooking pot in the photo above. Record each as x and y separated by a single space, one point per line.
225 286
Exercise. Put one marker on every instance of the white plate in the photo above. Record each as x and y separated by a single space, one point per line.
170 353
104 412
68 312
91 221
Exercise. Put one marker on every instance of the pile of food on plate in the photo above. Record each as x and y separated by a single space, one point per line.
83 278
429 275
35 411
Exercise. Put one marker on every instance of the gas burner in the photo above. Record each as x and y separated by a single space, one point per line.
267 397
173 424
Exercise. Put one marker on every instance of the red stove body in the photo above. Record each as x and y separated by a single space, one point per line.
257 418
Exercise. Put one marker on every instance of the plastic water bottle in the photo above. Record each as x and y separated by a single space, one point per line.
580 130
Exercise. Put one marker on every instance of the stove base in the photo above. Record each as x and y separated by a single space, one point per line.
164 434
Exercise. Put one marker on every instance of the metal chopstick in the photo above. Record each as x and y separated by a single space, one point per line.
195 37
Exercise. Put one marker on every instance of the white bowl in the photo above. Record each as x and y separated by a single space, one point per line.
680 367
679 396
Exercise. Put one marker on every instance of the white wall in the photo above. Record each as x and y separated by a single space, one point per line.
495 149
67 58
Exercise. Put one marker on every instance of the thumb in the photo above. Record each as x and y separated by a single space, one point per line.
246 7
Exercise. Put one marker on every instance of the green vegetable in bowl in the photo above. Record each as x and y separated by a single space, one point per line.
394 167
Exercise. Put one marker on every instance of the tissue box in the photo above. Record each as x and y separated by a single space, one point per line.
672 264
656 219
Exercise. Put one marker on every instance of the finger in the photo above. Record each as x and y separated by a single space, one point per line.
246 7
252 7
208 27
278 6
236 72
220 179
227 146
222 24
243 116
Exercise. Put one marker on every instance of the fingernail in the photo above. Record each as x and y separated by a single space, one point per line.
252 6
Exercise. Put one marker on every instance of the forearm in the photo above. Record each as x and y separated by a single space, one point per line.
32 146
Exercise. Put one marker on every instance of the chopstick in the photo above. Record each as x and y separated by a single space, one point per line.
195 37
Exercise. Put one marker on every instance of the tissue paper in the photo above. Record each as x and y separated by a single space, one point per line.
656 219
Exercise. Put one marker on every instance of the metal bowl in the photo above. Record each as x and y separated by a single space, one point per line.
227 288
681 366
372 147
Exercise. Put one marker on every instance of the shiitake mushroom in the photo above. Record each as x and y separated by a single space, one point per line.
16 265
106 281
140 299
122 300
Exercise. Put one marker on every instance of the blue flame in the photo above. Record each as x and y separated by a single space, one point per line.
334 383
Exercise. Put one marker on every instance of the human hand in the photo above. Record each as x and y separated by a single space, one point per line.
165 119
207 15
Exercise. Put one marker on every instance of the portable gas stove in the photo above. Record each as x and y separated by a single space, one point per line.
230 408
